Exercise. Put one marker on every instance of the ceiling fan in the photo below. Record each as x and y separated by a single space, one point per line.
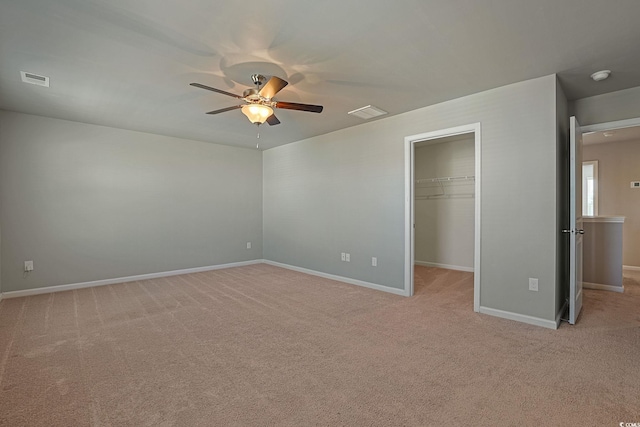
259 102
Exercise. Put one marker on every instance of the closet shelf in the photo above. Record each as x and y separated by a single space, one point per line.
446 178
444 194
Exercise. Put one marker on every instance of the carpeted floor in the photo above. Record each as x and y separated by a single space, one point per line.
263 346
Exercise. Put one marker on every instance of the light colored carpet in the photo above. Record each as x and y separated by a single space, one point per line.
265 346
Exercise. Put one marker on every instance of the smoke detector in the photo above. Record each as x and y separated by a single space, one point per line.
600 75
34 79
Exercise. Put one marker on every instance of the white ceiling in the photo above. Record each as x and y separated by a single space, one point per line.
128 63
613 135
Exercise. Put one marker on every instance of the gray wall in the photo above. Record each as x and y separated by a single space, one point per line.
344 192
621 105
87 202
602 253
444 232
618 165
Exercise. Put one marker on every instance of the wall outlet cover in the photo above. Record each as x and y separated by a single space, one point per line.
28 266
533 284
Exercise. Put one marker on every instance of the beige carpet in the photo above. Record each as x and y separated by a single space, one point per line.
263 346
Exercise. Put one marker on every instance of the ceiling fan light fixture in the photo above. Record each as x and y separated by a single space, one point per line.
257 113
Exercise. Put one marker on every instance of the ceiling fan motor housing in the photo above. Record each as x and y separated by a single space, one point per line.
253 96
251 93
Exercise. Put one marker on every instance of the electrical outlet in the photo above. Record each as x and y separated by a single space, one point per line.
374 261
343 256
348 257
635 184
28 266
248 245
533 284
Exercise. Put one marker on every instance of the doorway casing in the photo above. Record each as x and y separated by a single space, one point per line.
613 125
409 208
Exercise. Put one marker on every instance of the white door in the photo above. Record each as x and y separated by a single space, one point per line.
575 222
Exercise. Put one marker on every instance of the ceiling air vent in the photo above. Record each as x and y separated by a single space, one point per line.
368 112
34 79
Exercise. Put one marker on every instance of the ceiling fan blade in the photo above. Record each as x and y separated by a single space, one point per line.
213 89
273 86
299 107
222 110
273 120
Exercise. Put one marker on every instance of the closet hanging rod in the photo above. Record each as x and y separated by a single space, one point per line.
446 178
446 196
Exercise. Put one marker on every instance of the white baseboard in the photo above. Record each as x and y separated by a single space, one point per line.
447 266
395 291
60 288
602 287
550 324
631 267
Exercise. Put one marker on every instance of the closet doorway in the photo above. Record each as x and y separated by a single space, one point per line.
442 203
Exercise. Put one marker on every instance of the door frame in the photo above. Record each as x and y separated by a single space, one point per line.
409 207
605 126
576 231
617 124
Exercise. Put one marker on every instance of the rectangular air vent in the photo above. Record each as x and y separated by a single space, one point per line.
34 79
368 112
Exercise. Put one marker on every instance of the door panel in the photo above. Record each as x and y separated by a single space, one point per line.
575 222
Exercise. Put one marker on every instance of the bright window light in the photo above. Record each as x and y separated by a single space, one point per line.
590 188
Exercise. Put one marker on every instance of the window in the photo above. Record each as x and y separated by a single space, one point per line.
590 188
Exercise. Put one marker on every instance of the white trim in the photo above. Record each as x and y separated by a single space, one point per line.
478 209
551 324
601 287
616 219
60 288
409 149
630 268
377 287
618 124
446 266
